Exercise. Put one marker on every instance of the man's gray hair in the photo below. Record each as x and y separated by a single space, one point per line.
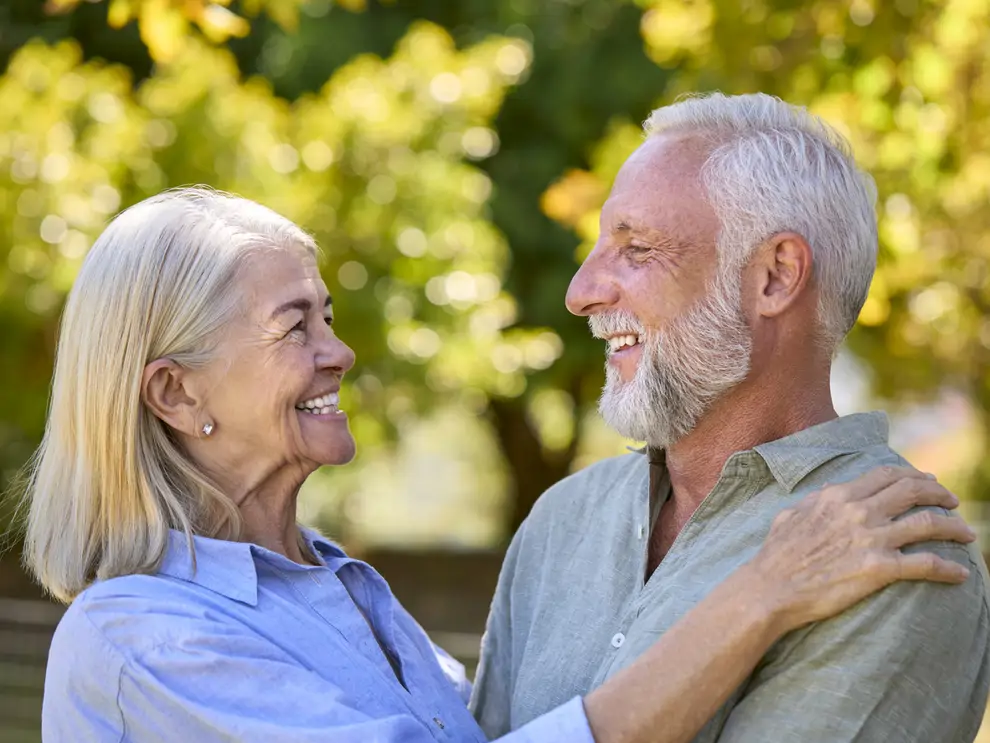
777 168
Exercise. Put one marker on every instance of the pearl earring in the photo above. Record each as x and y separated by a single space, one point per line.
207 429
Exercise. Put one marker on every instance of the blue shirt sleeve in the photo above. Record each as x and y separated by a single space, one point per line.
568 723
225 683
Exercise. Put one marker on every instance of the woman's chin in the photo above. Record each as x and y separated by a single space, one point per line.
335 453
327 438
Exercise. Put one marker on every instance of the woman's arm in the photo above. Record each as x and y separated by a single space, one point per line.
682 680
834 549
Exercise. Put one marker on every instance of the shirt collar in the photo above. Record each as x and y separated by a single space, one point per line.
794 457
221 566
228 568
324 549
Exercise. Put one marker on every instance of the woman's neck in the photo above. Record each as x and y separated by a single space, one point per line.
268 515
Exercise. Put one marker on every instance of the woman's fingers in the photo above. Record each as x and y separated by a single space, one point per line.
928 566
844 543
927 526
909 492
876 480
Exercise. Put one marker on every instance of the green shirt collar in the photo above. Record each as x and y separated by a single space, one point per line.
794 457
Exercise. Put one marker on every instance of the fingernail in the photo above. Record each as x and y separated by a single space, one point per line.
930 476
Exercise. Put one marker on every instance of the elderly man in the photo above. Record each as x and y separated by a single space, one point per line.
736 251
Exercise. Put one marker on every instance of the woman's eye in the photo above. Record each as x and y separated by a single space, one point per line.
299 327
328 320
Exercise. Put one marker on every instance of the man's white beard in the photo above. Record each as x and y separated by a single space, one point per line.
683 369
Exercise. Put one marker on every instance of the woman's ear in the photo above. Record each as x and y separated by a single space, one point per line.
785 268
164 389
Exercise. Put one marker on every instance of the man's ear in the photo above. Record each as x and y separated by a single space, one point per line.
165 390
784 268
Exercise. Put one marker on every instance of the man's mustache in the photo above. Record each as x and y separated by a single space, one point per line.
615 322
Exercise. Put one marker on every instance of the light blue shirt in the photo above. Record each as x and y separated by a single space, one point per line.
254 647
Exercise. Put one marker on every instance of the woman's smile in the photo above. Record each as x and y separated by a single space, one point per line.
322 405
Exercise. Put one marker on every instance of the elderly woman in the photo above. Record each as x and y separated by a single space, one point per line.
196 387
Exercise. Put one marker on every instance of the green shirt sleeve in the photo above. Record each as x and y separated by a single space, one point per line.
905 665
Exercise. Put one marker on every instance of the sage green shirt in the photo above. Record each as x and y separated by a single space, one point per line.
907 665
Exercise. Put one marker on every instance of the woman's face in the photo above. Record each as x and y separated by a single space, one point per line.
272 393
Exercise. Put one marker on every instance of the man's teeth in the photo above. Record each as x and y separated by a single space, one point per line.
321 405
618 342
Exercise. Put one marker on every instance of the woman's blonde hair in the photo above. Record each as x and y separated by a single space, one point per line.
110 479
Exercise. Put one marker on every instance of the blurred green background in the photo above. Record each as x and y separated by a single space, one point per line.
451 156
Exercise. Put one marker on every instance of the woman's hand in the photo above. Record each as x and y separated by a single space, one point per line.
843 543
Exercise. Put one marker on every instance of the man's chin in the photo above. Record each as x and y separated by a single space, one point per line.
634 416
623 417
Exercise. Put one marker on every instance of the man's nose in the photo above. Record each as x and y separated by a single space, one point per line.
593 287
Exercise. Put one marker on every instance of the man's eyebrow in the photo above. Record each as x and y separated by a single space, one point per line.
304 305
659 239
622 226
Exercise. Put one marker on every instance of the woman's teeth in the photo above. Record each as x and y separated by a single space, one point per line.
321 405
618 342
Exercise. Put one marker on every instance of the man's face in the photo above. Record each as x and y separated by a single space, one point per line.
652 288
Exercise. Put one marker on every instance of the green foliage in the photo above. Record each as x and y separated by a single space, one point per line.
166 25
451 159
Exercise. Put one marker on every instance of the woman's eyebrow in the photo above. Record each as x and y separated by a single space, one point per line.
301 304
293 304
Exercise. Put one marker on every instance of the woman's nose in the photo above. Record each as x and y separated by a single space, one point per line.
335 355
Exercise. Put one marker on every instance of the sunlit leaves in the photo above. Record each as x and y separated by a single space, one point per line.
165 25
674 29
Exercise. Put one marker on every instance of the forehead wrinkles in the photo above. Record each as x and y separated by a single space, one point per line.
660 188
267 273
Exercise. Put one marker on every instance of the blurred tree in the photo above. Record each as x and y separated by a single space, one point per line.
165 25
452 180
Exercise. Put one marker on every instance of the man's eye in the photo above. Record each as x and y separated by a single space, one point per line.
299 327
328 320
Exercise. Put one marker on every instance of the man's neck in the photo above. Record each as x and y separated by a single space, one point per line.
749 415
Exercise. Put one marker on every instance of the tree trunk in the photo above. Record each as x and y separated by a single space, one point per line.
533 468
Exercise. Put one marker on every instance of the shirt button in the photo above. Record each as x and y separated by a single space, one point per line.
641 532
439 722
618 639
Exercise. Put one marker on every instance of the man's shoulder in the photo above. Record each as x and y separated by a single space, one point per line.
849 465
590 489
907 611
855 464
